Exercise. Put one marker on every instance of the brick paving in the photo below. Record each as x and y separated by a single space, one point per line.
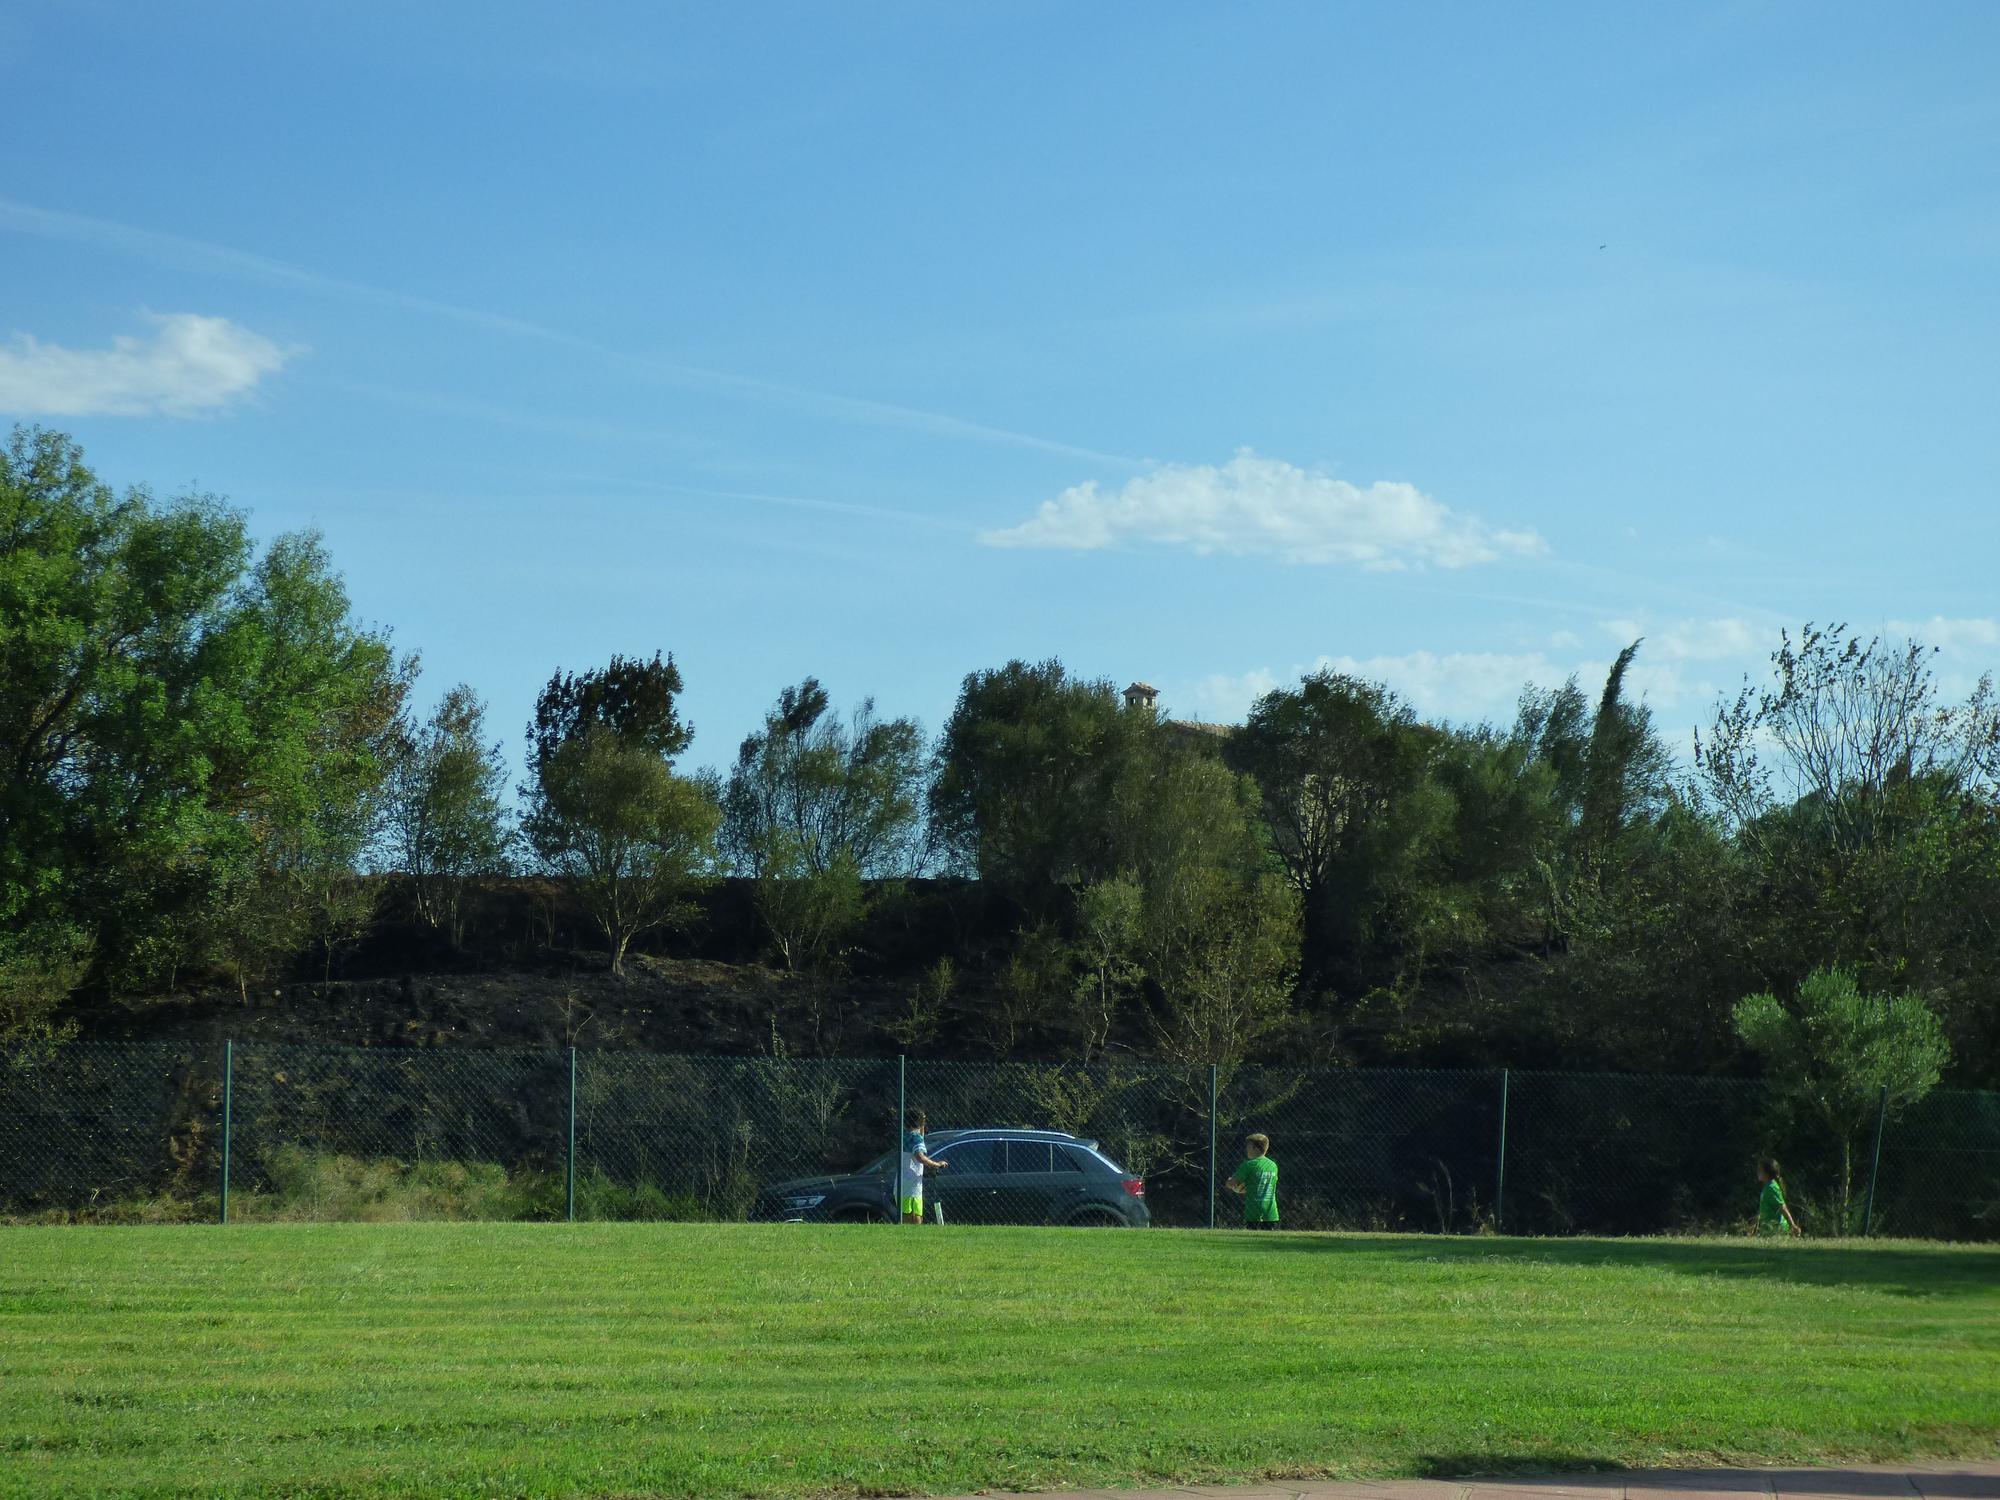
1943 1481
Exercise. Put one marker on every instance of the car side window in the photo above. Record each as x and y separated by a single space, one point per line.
1069 1159
1027 1156
968 1157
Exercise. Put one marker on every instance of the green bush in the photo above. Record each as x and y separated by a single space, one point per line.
319 1185
598 1197
139 1208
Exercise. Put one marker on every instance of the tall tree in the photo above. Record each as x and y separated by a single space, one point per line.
634 698
606 811
831 791
1840 1055
448 822
633 840
182 732
1344 772
1864 803
1027 765
814 805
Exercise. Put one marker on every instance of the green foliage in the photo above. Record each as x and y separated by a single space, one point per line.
1838 1052
447 820
39 968
633 839
1027 768
920 1021
1838 1047
327 1187
1353 811
193 744
1110 923
809 913
812 806
813 791
1226 982
633 698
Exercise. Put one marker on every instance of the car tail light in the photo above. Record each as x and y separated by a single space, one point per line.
1136 1186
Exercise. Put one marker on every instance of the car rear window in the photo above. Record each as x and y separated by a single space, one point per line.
1069 1159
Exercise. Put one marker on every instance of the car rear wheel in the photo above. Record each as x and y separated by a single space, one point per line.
1097 1218
860 1216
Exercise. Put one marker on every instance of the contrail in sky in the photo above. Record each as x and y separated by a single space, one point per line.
199 255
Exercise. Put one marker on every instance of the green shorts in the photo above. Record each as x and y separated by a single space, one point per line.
913 1205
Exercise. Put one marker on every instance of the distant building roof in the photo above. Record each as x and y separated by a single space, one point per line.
1199 727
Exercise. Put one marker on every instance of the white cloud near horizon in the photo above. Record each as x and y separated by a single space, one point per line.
1264 507
1725 639
1684 668
1953 637
1462 686
187 366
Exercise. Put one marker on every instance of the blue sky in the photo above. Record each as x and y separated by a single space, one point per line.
1455 345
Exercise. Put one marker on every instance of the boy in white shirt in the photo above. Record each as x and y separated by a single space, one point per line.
914 1162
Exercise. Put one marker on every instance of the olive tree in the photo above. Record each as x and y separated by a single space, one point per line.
448 823
633 839
1840 1055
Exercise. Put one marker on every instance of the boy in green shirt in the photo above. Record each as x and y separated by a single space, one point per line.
1774 1215
1256 1181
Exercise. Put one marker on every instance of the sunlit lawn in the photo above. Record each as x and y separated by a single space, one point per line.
775 1360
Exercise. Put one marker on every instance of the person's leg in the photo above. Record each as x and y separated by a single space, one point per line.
913 1208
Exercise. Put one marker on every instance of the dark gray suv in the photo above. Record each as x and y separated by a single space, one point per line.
998 1176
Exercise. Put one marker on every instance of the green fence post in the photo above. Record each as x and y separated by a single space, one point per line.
1875 1167
228 1111
1500 1173
902 1123
1212 1076
569 1192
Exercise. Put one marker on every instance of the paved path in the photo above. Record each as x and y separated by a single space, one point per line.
1945 1481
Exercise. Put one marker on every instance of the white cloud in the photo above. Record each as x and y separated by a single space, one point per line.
1960 637
1723 639
1459 685
188 366
1264 507
1462 687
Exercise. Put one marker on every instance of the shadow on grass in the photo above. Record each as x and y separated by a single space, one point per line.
1540 1465
1897 1272
1529 1468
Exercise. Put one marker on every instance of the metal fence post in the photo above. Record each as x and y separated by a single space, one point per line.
569 1178
1500 1173
228 1122
1875 1167
902 1124
1212 1081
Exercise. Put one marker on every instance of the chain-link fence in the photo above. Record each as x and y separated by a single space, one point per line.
262 1132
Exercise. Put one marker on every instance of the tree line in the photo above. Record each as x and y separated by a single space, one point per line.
210 766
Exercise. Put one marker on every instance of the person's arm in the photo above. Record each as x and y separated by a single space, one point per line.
1235 1185
932 1163
1786 1209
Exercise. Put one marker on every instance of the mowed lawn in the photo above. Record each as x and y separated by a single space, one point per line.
775 1360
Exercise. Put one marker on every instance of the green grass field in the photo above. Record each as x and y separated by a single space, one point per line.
733 1360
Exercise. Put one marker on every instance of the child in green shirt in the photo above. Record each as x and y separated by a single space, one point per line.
1774 1215
1256 1182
